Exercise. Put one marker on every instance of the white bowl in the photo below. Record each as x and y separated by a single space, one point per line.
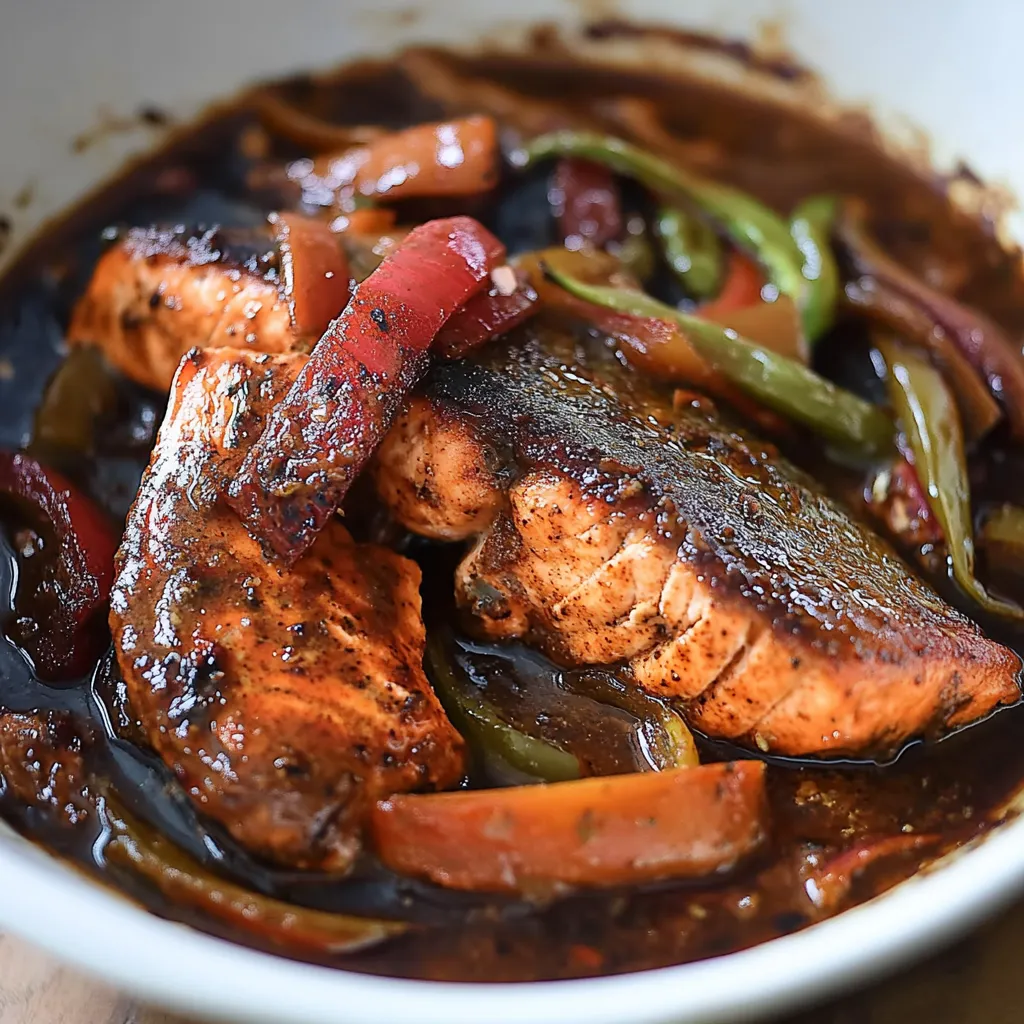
952 69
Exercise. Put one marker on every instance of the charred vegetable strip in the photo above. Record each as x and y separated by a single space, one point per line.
343 402
782 384
482 727
183 880
984 344
749 223
617 830
75 586
666 353
935 446
661 350
509 301
811 226
587 203
693 251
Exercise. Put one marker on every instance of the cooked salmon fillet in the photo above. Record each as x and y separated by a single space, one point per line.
620 531
159 292
285 702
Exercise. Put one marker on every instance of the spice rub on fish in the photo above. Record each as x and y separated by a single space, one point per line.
158 292
286 702
610 528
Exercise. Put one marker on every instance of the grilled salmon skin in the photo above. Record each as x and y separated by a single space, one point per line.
285 702
610 528
159 292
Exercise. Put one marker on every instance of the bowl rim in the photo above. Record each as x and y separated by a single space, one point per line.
98 930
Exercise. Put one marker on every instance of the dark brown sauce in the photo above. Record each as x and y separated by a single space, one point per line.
948 790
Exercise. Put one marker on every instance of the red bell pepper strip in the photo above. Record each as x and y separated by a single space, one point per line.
509 301
343 402
742 287
75 585
314 272
775 325
587 203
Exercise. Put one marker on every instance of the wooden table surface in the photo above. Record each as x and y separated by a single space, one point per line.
978 981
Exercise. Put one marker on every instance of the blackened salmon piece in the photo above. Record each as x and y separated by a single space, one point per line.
286 701
621 530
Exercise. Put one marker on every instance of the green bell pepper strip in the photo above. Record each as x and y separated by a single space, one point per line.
782 384
811 228
484 730
693 251
928 415
668 739
749 223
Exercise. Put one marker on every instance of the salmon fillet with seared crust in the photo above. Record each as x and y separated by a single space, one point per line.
159 292
285 702
609 528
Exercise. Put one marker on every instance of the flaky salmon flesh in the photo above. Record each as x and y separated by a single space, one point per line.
286 701
606 527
